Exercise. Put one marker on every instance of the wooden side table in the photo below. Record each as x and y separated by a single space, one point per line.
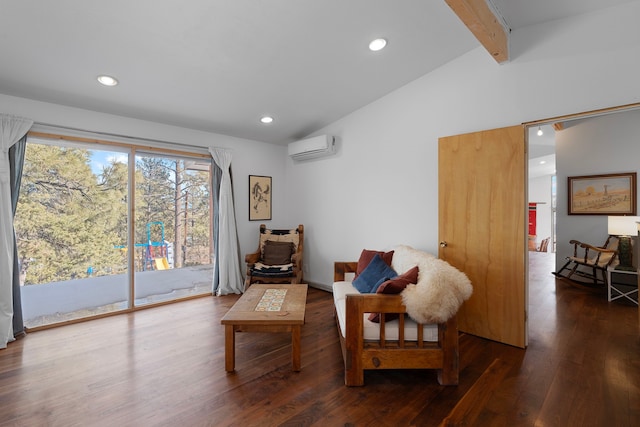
619 293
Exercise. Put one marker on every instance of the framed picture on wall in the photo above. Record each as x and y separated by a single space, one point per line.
259 198
610 194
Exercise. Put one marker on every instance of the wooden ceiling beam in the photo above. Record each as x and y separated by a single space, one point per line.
483 23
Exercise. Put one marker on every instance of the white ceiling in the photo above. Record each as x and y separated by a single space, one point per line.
219 65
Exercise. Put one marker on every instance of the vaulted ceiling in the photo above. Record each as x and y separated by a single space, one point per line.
220 65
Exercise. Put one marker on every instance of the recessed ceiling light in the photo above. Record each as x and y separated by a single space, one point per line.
377 44
107 80
266 120
542 162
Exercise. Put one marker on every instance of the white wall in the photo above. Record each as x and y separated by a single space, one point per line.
381 188
607 144
249 157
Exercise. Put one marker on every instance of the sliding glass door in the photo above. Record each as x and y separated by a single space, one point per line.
172 228
71 222
77 255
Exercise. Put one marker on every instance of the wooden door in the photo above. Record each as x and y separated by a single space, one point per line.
482 228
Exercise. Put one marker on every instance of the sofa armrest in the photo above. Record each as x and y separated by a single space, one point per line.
375 303
340 268
359 304
442 355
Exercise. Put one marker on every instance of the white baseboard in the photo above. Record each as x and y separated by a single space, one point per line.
320 286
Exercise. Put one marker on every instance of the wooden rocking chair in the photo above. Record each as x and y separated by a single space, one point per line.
590 261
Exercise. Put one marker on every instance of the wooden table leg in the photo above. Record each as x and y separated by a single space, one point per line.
229 348
295 348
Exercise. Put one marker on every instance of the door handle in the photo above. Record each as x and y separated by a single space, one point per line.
443 244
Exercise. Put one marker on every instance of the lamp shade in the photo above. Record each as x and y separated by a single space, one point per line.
623 225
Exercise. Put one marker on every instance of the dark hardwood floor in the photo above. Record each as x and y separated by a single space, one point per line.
165 367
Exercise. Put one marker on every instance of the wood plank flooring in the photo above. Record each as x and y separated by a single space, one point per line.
165 367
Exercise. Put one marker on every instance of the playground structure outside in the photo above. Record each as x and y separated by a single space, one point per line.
155 255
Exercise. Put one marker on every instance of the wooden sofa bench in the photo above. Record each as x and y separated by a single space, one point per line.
392 347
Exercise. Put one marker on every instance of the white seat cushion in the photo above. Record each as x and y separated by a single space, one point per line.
372 329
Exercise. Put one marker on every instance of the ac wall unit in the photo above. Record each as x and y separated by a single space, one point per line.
312 148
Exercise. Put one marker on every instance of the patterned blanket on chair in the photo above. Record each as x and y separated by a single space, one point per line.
263 270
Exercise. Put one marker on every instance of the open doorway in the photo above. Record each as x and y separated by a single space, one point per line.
541 188
593 142
600 142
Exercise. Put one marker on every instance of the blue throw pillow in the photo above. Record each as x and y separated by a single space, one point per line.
377 272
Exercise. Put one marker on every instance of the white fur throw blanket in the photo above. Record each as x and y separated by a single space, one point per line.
441 288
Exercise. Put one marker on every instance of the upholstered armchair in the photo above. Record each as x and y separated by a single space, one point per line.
278 258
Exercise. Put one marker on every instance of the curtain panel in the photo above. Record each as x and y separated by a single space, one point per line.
12 129
16 161
216 179
227 253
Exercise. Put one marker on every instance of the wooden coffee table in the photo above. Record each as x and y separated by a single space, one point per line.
266 308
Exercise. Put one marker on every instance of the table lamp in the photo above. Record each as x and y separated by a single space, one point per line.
624 227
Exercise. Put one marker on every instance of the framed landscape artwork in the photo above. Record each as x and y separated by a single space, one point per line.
610 194
259 198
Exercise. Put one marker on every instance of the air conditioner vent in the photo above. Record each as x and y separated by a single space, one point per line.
312 148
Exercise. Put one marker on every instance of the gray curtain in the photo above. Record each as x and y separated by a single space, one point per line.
230 275
16 161
12 129
216 178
